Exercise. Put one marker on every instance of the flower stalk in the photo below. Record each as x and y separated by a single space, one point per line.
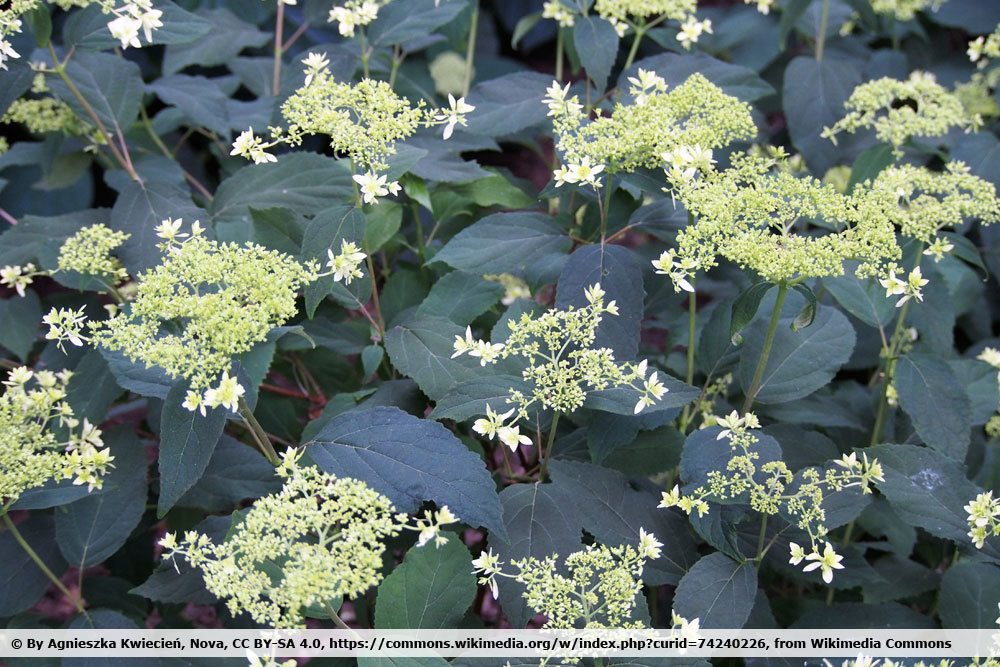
765 353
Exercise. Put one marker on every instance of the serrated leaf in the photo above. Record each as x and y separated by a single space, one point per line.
416 18
745 309
528 245
411 461
870 164
187 441
111 86
95 527
863 298
597 43
22 583
327 232
469 399
431 589
139 210
422 350
930 393
235 472
20 317
969 595
230 35
800 361
718 591
508 104
619 272
278 229
460 297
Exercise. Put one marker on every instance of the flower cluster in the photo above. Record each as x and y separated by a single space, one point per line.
318 538
921 202
771 489
762 216
983 49
355 14
561 365
40 439
991 356
363 120
131 18
657 127
47 114
89 252
592 588
911 288
204 304
514 287
905 10
984 518
625 14
18 278
901 110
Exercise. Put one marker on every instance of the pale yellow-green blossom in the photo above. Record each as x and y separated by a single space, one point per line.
769 489
18 278
41 439
203 305
318 538
901 110
905 10
354 14
984 518
922 203
514 287
90 252
563 367
657 122
779 225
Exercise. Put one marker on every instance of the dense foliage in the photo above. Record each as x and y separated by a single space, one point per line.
440 313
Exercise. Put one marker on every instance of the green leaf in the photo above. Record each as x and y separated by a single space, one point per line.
278 229
619 272
865 299
382 224
14 82
870 164
39 21
95 527
235 472
622 400
930 393
176 581
814 94
469 399
187 441
111 86
460 297
431 589
800 361
790 14
411 20
524 26
38 239
969 595
136 377
93 388
719 591
929 490
203 101
745 309
87 28
422 350
306 183
807 315
597 43
410 460
980 382
705 453
230 35
327 231
508 104
22 583
528 245
139 210
20 317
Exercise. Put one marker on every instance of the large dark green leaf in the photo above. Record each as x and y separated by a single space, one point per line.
675 68
139 210
236 472
96 526
460 297
597 44
529 245
21 581
508 104
21 317
969 595
930 393
187 441
111 86
410 460
619 273
718 591
417 18
431 589
230 35
469 398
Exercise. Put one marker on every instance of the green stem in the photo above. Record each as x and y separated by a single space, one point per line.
279 29
758 374
692 311
33 555
605 209
760 539
470 51
548 445
559 54
847 540
397 60
363 43
375 297
335 617
824 19
258 433
639 34
895 343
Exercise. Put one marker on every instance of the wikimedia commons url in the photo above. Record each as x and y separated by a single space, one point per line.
824 643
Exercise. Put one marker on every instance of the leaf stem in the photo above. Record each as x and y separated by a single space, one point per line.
470 51
33 555
279 29
824 20
761 536
559 54
640 32
758 374
891 354
258 433
544 463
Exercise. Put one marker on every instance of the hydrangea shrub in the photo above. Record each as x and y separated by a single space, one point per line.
616 314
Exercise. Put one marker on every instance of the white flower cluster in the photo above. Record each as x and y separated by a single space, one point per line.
131 18
354 14
984 518
18 278
911 288
826 562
